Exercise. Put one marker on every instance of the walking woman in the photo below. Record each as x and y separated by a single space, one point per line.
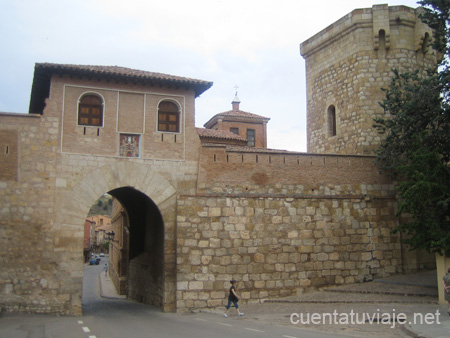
233 298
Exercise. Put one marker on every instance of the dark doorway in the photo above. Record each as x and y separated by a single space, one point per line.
142 253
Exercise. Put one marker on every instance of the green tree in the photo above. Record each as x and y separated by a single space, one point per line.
106 246
416 145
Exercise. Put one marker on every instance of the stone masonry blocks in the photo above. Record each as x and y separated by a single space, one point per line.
274 256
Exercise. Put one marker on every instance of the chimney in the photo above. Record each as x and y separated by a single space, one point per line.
235 102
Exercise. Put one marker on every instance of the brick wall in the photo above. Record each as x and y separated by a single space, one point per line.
294 173
128 109
259 128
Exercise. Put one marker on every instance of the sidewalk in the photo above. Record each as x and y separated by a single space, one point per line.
414 296
107 288
426 284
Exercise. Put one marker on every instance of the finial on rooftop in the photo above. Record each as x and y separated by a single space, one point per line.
236 101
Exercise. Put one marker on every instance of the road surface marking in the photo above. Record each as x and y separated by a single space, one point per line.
80 322
253 330
289 336
201 319
224 324
86 329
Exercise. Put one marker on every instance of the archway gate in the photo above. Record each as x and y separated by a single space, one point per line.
73 202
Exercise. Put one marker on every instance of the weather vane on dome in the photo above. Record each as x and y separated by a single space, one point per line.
236 87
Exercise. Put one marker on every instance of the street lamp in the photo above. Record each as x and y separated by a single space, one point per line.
110 236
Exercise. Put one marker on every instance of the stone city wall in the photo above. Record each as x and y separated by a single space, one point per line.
32 276
278 246
281 223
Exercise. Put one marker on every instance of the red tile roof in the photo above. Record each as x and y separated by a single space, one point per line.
219 134
120 73
44 71
235 114
241 113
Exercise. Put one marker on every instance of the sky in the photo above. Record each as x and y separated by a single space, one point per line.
249 44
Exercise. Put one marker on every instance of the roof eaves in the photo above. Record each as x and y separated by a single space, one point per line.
219 134
44 71
238 115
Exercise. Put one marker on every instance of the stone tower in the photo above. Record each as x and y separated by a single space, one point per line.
348 63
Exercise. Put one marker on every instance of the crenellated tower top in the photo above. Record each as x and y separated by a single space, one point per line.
348 63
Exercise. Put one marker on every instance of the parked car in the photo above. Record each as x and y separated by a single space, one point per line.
102 255
94 261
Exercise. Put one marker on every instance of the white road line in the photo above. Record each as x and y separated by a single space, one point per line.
92 337
247 328
289 336
80 322
224 324
86 329
201 319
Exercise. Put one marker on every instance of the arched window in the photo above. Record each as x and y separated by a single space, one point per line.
90 111
168 117
331 117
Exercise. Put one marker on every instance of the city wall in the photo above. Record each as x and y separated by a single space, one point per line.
31 277
282 223
277 222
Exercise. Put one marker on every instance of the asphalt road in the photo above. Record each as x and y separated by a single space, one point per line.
110 318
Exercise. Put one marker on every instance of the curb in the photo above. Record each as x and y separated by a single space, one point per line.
100 285
406 294
102 294
347 301
410 332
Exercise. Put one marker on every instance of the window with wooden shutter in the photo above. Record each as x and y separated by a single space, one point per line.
90 111
168 117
